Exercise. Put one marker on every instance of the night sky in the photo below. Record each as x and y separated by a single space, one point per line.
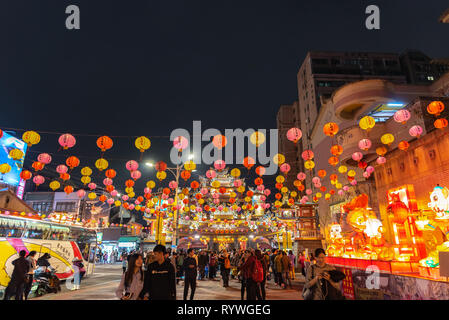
148 67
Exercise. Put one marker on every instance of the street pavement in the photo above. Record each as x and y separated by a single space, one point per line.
106 278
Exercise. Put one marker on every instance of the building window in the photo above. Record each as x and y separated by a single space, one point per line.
430 78
65 206
42 207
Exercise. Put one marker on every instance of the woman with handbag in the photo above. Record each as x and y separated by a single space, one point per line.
319 284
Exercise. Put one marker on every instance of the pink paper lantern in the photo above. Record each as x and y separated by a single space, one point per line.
402 116
341 192
260 188
38 180
307 155
199 209
381 160
285 168
131 207
416 131
219 165
267 192
239 209
267 206
170 201
187 218
92 186
125 197
81 193
309 192
301 176
136 174
110 201
44 158
316 180
164 196
147 190
263 198
172 185
366 175
61 169
204 191
211 174
107 182
67 141
132 165
237 183
357 156
365 144
369 169
345 188
147 210
294 134
216 201
114 193
180 143
354 182
318 185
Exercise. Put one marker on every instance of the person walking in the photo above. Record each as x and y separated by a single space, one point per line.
225 267
292 258
179 266
278 268
30 276
125 263
190 269
260 289
319 281
212 265
19 275
273 265
302 260
286 270
160 278
78 266
132 281
241 274
203 260
248 269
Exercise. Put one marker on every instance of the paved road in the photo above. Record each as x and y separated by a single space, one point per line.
102 284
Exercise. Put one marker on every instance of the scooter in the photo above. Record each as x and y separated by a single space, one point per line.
45 282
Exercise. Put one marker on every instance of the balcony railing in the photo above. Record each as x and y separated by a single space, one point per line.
307 234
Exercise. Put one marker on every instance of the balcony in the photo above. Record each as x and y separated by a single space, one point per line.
307 234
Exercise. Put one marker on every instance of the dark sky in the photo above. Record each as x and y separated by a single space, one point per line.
147 67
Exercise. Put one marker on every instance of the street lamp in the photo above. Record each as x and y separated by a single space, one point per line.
149 164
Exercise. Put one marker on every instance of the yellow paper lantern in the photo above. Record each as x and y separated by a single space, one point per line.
31 137
101 164
247 199
235 173
233 194
143 143
387 139
215 184
85 179
86 171
241 189
351 173
280 179
284 189
327 196
54 185
338 185
277 203
279 159
318 195
293 194
117 203
257 138
190 165
5 168
16 154
201 201
342 169
151 184
161 175
367 123
129 190
309 164
92 195
131 194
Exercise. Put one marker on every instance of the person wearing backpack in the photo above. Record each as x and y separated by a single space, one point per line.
249 271
260 290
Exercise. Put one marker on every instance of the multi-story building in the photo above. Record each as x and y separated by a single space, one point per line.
420 69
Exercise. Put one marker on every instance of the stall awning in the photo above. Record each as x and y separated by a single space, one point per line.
128 239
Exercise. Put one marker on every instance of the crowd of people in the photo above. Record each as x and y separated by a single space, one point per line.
154 275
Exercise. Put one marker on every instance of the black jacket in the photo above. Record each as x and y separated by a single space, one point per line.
190 272
160 281
203 259
21 268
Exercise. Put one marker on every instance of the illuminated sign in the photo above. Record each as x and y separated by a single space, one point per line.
8 143
99 236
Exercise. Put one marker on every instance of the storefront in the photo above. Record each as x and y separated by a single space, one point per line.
128 244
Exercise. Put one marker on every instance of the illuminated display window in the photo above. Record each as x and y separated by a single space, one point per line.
384 112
